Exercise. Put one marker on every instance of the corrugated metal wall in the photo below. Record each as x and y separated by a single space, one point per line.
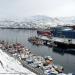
59 32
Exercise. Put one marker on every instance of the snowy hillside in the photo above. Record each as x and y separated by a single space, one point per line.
9 65
37 22
68 20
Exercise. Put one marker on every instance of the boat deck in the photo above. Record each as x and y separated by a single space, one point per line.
64 40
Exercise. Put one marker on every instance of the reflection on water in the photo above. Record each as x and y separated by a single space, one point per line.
63 51
61 57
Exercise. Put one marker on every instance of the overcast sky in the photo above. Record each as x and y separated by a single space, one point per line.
22 8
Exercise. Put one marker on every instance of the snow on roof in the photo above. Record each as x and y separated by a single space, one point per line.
11 65
67 29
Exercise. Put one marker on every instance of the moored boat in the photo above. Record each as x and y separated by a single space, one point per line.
36 40
64 37
44 32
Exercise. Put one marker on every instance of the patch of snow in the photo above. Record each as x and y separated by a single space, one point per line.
10 65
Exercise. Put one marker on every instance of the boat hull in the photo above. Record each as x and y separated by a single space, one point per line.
44 33
64 45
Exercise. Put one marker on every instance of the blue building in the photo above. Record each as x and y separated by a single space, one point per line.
64 32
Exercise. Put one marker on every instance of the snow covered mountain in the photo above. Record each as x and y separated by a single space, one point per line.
68 20
37 22
9 65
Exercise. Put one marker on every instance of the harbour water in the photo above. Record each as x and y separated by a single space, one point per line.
66 59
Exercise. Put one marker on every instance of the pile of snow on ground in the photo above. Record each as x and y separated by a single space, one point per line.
10 65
